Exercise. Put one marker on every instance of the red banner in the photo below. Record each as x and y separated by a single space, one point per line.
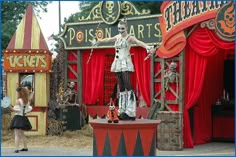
179 15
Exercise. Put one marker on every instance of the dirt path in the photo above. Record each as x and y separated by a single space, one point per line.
72 139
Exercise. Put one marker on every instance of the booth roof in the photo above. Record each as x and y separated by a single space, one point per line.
28 34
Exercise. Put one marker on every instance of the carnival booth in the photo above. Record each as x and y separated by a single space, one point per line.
27 59
89 67
187 70
204 32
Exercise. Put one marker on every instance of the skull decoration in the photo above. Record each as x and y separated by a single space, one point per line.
173 66
71 85
171 75
110 6
225 22
172 72
229 17
68 96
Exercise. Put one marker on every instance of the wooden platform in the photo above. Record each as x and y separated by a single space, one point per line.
133 138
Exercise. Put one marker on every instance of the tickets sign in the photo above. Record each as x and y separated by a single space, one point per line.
27 60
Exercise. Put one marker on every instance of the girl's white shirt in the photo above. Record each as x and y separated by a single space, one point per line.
19 108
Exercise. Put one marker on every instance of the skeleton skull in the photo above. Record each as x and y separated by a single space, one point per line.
172 66
229 17
71 85
110 6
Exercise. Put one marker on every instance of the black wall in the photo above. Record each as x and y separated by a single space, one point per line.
229 77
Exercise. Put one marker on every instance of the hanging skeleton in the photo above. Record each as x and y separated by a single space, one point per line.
171 76
67 97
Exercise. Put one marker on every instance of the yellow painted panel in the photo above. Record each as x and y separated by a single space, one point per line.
35 34
38 121
48 86
41 92
12 80
20 35
34 123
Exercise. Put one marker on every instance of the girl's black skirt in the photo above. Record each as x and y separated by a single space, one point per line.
20 122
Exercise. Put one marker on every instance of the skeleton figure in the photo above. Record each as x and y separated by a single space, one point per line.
68 97
171 75
70 94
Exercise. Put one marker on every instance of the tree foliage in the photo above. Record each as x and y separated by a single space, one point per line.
87 6
12 13
154 7
85 9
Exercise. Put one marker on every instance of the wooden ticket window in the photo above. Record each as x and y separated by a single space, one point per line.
23 64
34 66
28 79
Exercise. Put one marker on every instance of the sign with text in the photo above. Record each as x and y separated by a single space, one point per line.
179 15
78 35
27 60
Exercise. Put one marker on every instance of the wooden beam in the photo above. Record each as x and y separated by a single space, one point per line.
66 68
157 73
72 70
152 84
190 32
79 76
75 55
157 94
157 80
162 82
72 62
72 80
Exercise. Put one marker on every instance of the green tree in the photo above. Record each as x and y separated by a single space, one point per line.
12 13
86 7
154 7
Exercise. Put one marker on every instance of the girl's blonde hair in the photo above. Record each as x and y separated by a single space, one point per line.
23 94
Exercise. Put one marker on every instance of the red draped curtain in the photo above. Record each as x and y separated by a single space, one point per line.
199 69
93 77
142 71
211 91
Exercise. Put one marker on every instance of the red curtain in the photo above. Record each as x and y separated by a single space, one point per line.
211 91
194 75
142 71
93 77
143 77
202 44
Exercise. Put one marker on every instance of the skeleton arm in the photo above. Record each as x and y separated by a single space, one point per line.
166 80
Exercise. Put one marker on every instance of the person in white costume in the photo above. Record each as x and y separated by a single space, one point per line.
123 66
